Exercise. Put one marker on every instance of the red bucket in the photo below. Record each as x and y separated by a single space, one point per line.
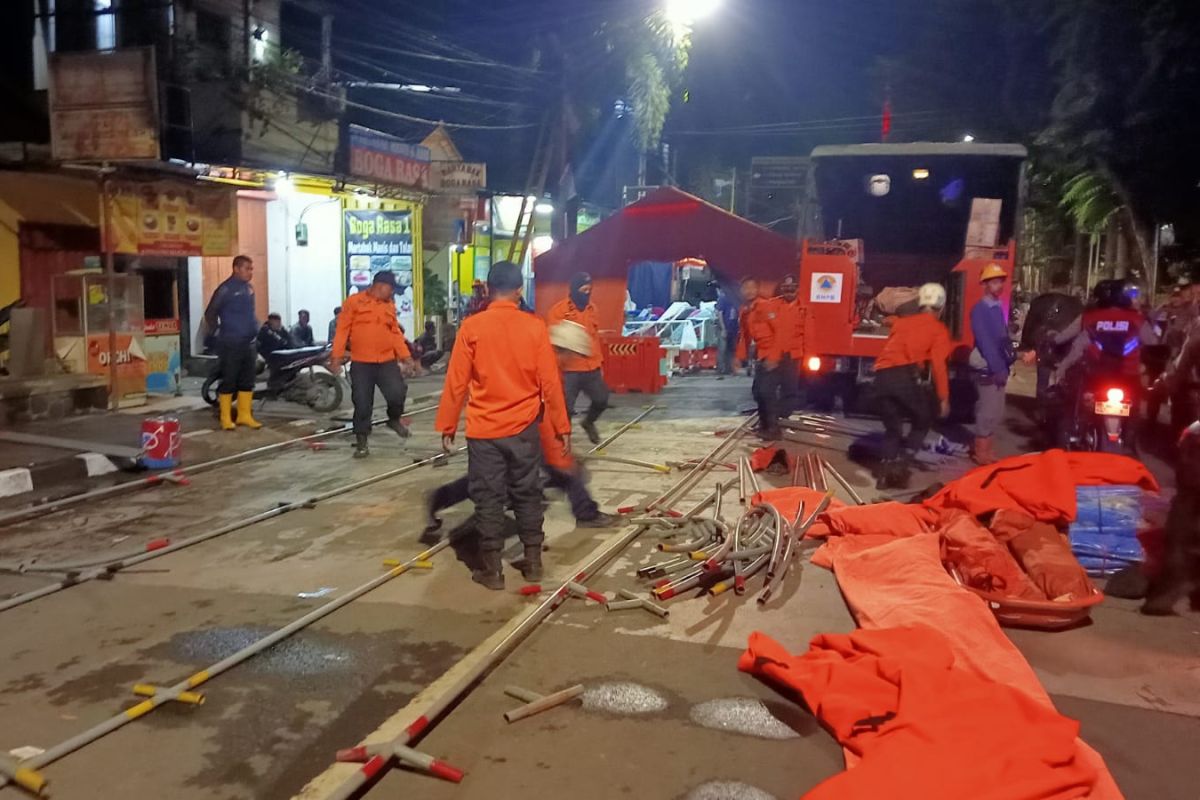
160 442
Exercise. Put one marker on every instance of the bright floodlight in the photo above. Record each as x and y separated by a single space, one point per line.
968 137
686 12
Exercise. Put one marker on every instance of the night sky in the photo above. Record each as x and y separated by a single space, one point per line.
757 62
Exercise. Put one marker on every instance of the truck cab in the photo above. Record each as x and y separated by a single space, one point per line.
886 218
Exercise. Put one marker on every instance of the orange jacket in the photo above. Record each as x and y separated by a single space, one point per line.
503 368
916 339
565 310
552 451
371 329
757 324
794 325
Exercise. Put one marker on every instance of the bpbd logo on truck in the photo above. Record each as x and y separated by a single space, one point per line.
826 288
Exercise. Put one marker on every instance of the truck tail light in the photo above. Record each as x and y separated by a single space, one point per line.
813 364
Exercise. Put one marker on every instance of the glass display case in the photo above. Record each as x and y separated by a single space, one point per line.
83 303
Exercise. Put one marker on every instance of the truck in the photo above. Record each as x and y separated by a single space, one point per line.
892 217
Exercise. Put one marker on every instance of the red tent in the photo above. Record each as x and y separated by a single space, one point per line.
665 225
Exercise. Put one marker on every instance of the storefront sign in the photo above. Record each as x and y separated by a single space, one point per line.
172 218
378 241
778 172
104 106
826 288
162 327
458 176
375 156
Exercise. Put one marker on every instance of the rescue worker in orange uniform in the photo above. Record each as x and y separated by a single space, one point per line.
379 356
757 326
583 373
792 322
900 391
503 369
562 470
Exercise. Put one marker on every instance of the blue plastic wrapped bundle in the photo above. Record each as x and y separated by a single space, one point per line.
1104 533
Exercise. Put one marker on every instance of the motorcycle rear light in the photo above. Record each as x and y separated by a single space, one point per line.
814 364
1116 396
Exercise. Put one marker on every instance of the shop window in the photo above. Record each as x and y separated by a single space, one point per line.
159 294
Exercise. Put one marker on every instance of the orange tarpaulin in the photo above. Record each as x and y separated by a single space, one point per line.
1042 484
924 727
903 582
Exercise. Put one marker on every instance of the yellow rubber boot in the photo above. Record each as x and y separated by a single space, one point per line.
225 401
244 416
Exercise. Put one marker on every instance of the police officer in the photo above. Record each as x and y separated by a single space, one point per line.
230 314
900 393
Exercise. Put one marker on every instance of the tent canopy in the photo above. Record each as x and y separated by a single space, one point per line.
666 225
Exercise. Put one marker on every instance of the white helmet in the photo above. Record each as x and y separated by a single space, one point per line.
571 336
931 295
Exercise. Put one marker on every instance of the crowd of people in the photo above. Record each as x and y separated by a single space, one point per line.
519 378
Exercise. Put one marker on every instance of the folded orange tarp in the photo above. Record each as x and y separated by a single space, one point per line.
982 561
1044 554
787 502
924 727
1041 484
902 582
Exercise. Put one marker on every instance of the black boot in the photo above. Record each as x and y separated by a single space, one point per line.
489 574
589 427
360 446
399 427
531 564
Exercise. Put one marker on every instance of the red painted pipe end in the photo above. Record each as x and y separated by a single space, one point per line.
157 544
373 766
661 582
626 509
419 724
525 591
446 772
599 598
664 593
355 754
670 512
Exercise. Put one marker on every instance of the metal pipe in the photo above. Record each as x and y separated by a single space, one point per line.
544 703
600 447
142 557
797 469
427 763
720 492
168 695
653 608
633 462
840 478
689 481
522 627
159 478
752 479
524 695
777 546
755 567
815 472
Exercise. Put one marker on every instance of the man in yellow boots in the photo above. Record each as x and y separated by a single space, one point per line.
230 316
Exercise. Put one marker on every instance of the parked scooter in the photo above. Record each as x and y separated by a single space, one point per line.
298 375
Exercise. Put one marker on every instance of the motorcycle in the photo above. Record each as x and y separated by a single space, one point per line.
1101 414
292 375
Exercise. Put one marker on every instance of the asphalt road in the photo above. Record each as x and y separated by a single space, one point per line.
670 716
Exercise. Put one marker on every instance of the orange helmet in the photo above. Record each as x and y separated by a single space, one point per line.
992 271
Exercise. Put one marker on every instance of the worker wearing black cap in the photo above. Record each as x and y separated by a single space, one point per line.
583 373
379 356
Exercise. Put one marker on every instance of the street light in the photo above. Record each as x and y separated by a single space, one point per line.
968 137
686 12
681 15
